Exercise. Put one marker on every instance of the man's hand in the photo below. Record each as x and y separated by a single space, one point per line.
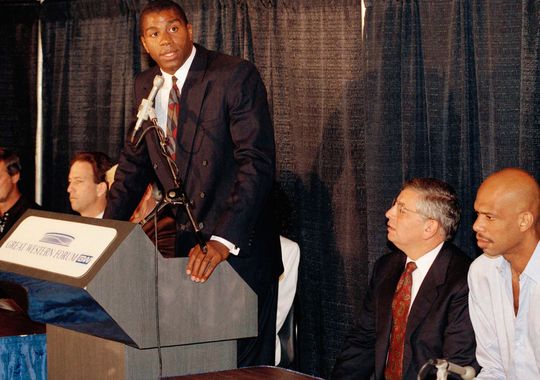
200 265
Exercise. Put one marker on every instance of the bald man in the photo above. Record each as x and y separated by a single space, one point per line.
504 283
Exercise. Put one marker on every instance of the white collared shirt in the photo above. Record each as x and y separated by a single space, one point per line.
422 268
100 215
162 97
507 346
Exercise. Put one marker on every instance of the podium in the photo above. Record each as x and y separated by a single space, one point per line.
117 309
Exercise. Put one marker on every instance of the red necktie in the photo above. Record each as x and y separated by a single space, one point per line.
400 312
173 112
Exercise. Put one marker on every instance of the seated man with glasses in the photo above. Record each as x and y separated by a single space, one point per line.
416 306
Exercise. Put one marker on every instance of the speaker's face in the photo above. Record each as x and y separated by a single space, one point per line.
167 39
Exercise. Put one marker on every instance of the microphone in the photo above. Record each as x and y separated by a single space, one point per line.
146 105
443 367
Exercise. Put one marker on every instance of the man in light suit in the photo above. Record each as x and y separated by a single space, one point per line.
223 152
421 220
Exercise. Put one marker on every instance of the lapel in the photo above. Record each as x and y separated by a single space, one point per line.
427 294
152 141
429 290
385 295
387 289
191 100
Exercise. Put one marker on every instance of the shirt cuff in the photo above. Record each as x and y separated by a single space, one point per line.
232 248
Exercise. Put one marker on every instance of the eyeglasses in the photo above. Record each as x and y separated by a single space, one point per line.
402 210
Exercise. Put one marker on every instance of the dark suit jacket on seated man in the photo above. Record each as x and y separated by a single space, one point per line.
12 202
421 220
224 150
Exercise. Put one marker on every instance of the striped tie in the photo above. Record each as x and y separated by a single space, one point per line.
173 113
400 312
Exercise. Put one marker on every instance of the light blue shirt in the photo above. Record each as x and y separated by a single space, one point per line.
508 346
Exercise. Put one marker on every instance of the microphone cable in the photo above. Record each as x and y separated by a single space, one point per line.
156 294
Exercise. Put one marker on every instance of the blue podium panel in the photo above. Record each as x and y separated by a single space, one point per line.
23 357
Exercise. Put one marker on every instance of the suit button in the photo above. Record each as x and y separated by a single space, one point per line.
205 163
201 225
155 166
202 194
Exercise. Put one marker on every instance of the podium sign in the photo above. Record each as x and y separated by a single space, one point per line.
38 243
108 285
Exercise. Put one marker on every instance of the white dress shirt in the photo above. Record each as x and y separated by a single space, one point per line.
508 346
290 255
422 268
162 96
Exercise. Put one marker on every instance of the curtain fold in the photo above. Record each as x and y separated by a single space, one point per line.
309 54
18 80
91 54
312 68
529 123
456 87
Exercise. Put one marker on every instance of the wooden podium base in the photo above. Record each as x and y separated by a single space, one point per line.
73 355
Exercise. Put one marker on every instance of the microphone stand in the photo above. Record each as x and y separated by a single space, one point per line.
176 196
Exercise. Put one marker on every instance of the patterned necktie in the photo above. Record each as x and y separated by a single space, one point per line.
400 312
173 113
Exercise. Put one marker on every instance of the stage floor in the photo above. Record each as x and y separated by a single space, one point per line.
250 373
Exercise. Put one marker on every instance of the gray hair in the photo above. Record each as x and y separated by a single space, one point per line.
438 201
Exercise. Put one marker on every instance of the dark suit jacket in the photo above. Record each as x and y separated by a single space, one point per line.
226 159
438 325
15 212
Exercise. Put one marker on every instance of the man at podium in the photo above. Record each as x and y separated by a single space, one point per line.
211 140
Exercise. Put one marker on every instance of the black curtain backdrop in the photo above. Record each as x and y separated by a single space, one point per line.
309 54
90 56
454 93
18 79
443 88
